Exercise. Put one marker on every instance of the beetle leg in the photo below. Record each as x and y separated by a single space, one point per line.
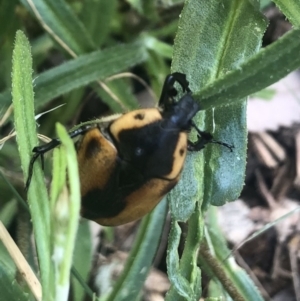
200 143
39 151
203 139
169 91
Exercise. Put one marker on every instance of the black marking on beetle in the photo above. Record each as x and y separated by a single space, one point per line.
181 152
110 200
93 148
139 116
98 203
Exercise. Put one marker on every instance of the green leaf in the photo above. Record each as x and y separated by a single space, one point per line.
163 49
210 42
65 203
83 249
84 70
22 94
291 9
221 30
264 4
182 197
136 4
180 284
8 212
97 16
260 71
62 24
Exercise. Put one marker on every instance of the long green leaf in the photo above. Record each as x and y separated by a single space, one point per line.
260 71
97 16
65 207
83 249
84 70
62 24
22 94
184 274
210 42
291 9
219 29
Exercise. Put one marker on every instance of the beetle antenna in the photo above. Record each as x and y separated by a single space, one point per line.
41 150
30 168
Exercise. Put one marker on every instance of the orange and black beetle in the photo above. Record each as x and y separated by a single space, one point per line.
129 164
